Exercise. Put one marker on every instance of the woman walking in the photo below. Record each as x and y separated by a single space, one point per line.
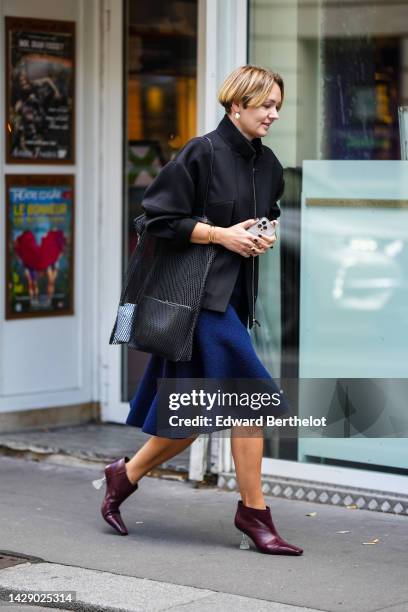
247 181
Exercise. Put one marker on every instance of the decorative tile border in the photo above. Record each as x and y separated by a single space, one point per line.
322 493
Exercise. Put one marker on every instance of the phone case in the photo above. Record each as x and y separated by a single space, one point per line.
263 227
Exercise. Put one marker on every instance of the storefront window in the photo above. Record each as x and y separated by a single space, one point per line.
160 60
345 70
341 138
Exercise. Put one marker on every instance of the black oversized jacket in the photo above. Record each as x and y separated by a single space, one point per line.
247 181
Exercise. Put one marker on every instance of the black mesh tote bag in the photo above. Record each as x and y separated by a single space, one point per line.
163 291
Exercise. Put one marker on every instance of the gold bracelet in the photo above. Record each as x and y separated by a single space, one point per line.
209 234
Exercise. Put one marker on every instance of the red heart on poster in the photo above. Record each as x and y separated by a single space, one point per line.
39 257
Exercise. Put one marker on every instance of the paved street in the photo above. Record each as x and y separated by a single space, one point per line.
182 551
92 443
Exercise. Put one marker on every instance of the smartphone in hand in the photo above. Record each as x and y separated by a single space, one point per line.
264 227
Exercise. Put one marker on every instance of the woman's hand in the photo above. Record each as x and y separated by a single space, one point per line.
237 239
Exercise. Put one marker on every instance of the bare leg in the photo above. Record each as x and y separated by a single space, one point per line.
247 451
154 452
51 279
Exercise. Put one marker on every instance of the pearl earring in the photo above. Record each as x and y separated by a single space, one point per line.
237 115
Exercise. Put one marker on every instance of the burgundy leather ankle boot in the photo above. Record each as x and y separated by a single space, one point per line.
258 525
118 488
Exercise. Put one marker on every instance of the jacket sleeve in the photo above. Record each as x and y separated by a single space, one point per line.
169 203
275 211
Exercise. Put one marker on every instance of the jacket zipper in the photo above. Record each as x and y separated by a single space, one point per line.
253 258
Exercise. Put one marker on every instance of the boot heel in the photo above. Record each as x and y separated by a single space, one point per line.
98 484
244 544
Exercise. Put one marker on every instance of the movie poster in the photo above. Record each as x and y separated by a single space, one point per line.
40 83
39 256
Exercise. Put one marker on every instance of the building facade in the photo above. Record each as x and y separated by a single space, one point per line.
332 303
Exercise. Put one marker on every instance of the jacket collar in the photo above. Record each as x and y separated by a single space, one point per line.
227 130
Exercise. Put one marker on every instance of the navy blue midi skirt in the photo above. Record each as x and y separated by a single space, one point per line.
222 348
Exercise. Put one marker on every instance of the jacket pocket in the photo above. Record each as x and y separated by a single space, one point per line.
221 213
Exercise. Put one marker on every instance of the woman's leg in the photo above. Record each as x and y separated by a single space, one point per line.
247 451
253 518
154 452
122 476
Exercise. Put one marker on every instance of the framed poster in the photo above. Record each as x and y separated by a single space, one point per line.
40 91
39 245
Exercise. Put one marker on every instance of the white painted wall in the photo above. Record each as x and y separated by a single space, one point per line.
53 361
111 209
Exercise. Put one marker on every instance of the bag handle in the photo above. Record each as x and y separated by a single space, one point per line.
208 179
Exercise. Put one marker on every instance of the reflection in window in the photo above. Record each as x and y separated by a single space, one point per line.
345 66
361 95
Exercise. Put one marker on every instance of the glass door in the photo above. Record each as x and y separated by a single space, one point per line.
160 114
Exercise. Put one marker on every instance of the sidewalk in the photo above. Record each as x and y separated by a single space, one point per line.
93 445
182 551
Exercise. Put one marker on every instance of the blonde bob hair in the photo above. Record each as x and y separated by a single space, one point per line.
249 85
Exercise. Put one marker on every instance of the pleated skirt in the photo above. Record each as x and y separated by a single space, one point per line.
222 348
